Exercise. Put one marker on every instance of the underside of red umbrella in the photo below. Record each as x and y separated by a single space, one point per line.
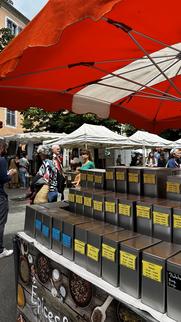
119 59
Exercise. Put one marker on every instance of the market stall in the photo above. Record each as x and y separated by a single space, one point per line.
132 75
104 256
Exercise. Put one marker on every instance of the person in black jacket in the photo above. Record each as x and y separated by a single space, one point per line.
5 176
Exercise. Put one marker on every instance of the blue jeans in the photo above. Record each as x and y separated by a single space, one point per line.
22 179
52 196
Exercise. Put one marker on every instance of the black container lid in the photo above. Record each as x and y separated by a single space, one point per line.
92 225
176 259
141 242
167 203
176 178
163 250
159 170
118 236
76 219
105 229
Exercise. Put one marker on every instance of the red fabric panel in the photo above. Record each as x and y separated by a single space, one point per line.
62 35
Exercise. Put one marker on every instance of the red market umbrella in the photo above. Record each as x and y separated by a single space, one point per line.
115 58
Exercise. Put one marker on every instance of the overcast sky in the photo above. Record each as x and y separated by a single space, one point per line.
29 7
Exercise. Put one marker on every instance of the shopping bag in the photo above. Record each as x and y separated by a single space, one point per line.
42 195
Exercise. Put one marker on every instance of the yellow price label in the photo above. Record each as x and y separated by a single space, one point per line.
143 212
88 201
93 252
152 271
98 179
71 197
83 177
133 177
160 218
173 187
128 260
110 207
79 199
90 177
124 210
97 205
109 175
79 246
108 252
120 176
149 178
176 221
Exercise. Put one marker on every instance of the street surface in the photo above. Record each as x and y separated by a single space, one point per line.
16 216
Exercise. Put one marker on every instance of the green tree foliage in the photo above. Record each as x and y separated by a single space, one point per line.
5 37
35 119
128 129
171 134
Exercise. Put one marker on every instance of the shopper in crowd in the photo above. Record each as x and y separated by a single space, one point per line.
14 164
44 185
151 160
178 156
5 176
76 181
161 161
57 161
157 153
74 162
134 160
23 170
140 160
87 161
173 160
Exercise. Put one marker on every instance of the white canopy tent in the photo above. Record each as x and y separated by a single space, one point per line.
34 137
151 140
94 135
177 144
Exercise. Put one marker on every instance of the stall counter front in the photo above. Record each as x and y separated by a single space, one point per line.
53 297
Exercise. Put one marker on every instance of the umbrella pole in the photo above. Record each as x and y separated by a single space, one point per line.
86 146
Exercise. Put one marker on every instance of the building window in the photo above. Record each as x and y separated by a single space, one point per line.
12 26
15 29
10 118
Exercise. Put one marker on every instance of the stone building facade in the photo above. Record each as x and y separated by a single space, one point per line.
11 18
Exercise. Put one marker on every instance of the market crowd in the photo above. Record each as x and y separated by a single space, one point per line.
45 181
159 158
